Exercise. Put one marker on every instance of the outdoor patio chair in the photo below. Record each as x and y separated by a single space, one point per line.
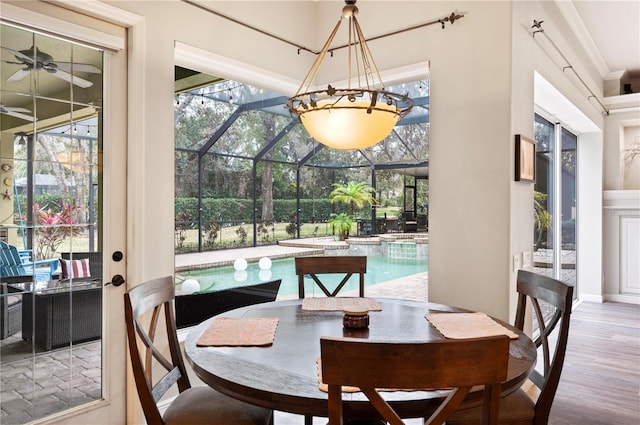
393 225
457 365
551 301
12 264
409 222
11 304
10 312
143 307
347 265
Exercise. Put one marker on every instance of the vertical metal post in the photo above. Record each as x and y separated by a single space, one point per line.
255 202
92 205
298 201
200 190
30 192
374 226
557 201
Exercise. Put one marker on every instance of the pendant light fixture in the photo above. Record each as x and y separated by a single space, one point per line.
351 117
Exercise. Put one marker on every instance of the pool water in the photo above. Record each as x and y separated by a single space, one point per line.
379 269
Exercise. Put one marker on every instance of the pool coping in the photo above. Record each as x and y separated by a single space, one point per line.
284 249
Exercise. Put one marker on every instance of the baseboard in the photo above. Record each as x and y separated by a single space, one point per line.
592 298
620 298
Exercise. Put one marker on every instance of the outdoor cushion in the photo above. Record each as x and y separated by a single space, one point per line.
75 269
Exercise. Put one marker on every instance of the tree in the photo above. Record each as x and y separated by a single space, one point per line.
356 195
342 224
541 217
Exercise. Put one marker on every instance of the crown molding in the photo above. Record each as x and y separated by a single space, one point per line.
576 24
615 75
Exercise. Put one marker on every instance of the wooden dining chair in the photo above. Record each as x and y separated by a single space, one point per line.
193 405
551 301
457 365
313 266
346 265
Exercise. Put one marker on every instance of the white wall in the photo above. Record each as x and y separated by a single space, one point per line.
562 99
589 223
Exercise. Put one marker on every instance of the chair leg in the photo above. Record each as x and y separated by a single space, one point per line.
308 420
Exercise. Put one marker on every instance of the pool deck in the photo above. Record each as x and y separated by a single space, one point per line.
284 249
205 260
410 287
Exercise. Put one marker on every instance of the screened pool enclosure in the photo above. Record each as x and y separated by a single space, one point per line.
248 174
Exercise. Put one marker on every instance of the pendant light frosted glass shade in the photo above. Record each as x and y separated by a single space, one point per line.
351 117
347 125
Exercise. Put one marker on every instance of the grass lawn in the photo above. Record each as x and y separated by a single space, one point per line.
230 236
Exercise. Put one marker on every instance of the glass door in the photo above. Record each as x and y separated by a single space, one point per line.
555 201
51 266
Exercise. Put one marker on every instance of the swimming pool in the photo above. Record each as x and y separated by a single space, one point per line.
379 269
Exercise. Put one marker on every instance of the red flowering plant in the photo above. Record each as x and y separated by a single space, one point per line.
54 228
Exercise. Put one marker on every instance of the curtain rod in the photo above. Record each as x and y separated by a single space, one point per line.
451 19
538 26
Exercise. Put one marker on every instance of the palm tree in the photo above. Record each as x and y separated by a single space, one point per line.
341 223
356 195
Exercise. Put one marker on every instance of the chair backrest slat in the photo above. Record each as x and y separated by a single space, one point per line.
13 264
10 261
165 383
456 364
144 305
314 266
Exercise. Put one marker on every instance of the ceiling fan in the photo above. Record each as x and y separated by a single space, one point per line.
34 58
17 112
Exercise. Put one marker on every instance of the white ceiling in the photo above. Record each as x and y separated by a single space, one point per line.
610 28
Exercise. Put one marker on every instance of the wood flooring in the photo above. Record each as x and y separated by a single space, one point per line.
600 382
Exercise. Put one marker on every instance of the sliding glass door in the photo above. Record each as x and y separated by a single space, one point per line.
555 202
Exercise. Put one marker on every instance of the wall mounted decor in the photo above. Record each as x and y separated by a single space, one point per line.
525 159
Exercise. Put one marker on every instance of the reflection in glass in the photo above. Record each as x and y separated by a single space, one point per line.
50 170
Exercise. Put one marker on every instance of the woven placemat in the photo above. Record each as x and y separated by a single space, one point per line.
239 332
340 304
467 325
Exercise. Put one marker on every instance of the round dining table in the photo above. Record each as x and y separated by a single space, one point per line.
284 375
